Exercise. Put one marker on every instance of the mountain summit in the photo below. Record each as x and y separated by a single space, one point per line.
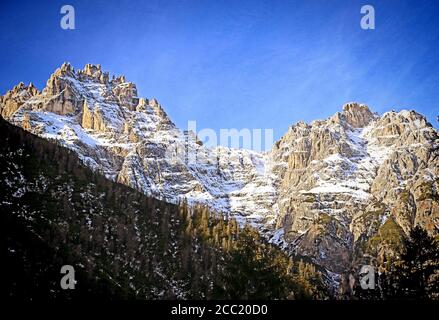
357 115
338 190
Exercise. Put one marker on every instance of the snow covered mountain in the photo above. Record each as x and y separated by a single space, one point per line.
336 190
353 177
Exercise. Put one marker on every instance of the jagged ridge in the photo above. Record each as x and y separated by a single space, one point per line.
311 193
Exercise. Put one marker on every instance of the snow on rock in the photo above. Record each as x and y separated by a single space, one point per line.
319 174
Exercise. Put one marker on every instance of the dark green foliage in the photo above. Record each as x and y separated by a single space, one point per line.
412 274
389 233
416 274
254 272
308 281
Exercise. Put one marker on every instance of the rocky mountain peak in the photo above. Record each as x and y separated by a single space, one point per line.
92 68
15 97
357 115
64 70
322 188
21 88
117 80
406 116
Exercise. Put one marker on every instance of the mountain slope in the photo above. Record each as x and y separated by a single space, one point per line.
123 244
326 190
131 140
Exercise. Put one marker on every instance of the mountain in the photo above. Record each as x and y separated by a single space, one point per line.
346 179
122 243
342 191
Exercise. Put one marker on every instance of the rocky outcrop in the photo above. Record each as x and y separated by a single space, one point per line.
126 94
326 240
359 169
15 98
357 115
59 97
87 117
93 118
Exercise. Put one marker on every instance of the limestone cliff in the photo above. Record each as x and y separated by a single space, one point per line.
337 190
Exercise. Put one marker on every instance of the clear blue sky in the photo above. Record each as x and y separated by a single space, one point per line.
237 64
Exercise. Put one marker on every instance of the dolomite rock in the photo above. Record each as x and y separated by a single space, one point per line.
87 117
126 94
13 99
26 122
326 190
357 115
355 167
325 238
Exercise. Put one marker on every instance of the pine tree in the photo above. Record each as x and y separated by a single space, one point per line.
416 274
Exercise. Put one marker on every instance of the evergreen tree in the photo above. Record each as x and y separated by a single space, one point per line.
416 274
255 270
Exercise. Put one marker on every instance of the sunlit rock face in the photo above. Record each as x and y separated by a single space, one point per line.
350 174
326 190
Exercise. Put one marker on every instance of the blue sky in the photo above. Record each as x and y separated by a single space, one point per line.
237 64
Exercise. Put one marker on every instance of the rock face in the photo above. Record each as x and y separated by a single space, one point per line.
14 98
336 190
355 169
357 115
